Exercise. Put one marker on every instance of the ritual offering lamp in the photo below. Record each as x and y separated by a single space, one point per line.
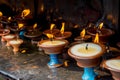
4 32
114 66
52 30
87 56
15 43
8 38
104 33
53 47
83 37
33 34
63 34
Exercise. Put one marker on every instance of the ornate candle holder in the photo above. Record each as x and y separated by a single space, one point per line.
114 66
88 56
53 48
8 38
104 34
15 43
65 35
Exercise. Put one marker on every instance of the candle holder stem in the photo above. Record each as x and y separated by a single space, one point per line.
54 61
89 74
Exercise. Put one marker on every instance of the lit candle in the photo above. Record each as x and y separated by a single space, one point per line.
62 28
52 26
101 25
20 25
84 50
96 40
1 14
25 12
82 34
35 26
50 36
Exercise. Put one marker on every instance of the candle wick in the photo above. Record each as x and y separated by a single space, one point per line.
86 47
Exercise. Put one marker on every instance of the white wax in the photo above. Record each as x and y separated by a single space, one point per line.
115 64
15 42
80 49
53 43
9 36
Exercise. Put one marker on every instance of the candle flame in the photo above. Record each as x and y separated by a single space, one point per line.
51 26
62 28
42 7
66 63
35 25
20 25
82 34
50 36
101 25
25 12
96 40
9 18
1 14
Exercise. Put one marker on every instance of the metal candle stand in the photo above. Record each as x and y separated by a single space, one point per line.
89 74
54 61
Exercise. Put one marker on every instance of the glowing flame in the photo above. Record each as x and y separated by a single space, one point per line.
82 34
62 29
42 7
96 40
51 27
50 36
9 18
25 12
1 14
20 25
101 25
66 63
35 25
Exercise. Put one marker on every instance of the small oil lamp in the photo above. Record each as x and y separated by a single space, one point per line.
33 34
15 43
51 30
52 47
104 33
63 34
87 56
8 38
4 32
114 66
83 37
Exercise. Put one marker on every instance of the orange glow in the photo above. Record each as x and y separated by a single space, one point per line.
101 25
82 34
96 40
35 25
52 26
25 12
62 28
50 36
9 18
1 14
20 25
66 63
42 7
